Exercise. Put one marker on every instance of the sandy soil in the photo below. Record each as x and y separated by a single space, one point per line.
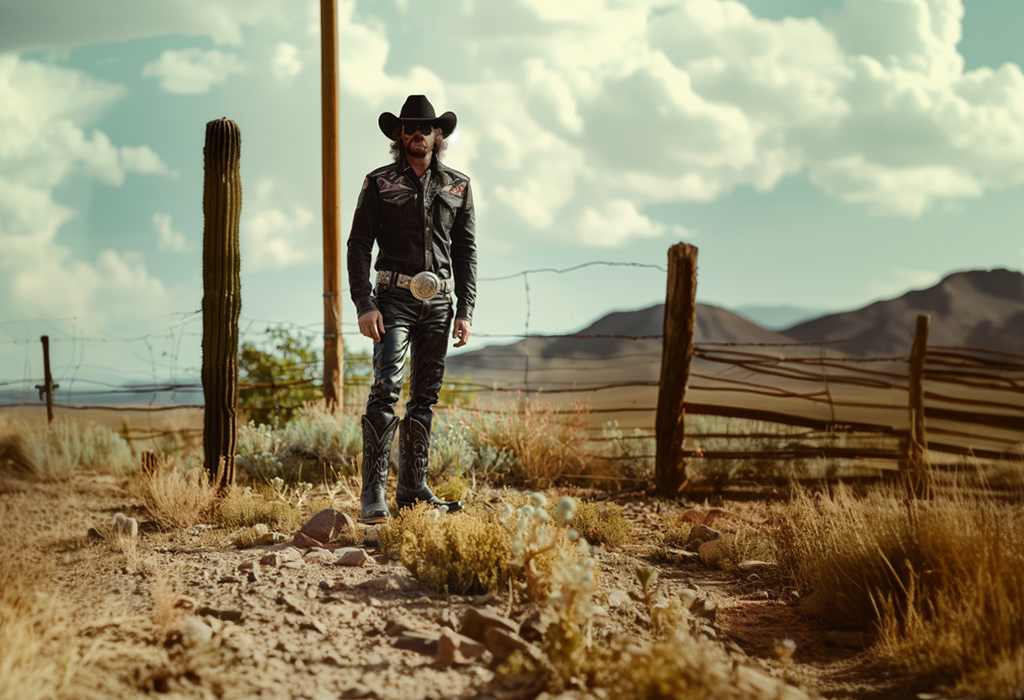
308 630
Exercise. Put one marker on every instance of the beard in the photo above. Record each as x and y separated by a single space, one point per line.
417 148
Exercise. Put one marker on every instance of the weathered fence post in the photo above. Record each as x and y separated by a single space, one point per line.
47 386
676 352
222 297
915 466
334 349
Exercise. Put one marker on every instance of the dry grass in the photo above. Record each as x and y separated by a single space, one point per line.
546 441
941 580
460 554
601 524
175 498
242 507
55 452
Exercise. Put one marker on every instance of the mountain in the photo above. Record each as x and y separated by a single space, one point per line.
713 325
777 318
980 308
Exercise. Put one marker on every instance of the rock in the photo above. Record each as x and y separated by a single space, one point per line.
350 556
123 525
699 535
321 555
705 609
391 582
226 615
227 579
251 577
448 653
710 554
617 598
195 632
357 692
272 559
325 525
304 541
311 623
477 621
502 643
420 642
754 565
847 640
292 564
247 566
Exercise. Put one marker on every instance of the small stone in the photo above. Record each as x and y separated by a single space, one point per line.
350 556
227 579
124 525
323 585
325 525
502 643
226 615
701 534
195 632
311 593
476 622
311 623
754 565
357 692
251 577
292 564
710 554
448 653
247 566
420 642
321 555
617 598
304 541
272 559
390 582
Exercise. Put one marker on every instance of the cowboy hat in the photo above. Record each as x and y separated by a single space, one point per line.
417 108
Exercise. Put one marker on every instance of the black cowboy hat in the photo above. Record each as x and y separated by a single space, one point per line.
417 108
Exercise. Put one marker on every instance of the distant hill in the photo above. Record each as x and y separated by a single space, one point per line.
980 308
777 318
714 324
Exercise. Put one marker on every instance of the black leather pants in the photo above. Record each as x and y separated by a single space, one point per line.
425 325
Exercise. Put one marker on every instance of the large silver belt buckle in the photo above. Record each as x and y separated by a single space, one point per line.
424 285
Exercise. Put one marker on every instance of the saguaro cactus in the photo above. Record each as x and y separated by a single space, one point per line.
222 296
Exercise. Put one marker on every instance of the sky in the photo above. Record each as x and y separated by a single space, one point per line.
821 154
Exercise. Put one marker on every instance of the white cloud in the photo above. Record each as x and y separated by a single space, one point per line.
696 99
285 63
167 238
192 71
900 280
62 24
616 222
43 145
275 236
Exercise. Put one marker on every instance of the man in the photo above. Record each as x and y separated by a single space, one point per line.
420 213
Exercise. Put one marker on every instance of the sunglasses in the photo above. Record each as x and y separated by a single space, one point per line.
411 128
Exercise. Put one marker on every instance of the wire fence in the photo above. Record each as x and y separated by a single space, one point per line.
837 405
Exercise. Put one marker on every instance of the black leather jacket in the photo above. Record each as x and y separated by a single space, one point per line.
391 212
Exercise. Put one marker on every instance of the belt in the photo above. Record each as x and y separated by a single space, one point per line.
424 286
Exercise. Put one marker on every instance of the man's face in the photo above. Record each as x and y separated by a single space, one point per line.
417 143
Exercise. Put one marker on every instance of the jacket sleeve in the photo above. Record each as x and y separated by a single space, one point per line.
360 246
464 257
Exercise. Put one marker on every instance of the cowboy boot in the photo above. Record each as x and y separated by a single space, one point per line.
413 460
376 451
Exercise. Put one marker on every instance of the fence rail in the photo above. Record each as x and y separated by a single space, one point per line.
972 399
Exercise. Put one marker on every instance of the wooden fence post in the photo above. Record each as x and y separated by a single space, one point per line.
915 466
47 386
222 297
676 353
334 349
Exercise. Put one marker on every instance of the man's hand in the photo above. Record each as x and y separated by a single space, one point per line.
461 332
371 324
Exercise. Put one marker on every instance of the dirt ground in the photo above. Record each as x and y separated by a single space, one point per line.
308 630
